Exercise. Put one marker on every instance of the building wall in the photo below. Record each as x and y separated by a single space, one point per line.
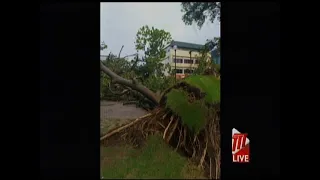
215 56
103 57
184 55
167 60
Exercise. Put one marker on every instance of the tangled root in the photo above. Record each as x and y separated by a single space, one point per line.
202 148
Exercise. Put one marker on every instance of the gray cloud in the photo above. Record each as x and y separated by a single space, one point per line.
120 22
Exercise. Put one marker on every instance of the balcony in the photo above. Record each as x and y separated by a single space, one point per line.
185 61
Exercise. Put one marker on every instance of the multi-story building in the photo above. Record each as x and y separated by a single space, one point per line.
185 54
103 57
185 64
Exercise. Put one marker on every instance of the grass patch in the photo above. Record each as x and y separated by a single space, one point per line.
192 114
208 84
154 160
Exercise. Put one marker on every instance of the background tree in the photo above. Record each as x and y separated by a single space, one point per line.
199 12
152 42
203 61
103 46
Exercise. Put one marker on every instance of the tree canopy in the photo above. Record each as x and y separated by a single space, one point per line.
152 41
198 12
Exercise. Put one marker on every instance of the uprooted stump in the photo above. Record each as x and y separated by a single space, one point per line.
187 118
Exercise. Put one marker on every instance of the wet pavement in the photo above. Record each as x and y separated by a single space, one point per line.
116 110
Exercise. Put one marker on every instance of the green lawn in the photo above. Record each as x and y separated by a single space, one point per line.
154 160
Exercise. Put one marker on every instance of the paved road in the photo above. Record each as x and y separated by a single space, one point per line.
116 110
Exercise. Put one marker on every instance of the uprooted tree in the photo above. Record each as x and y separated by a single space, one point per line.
187 117
186 114
146 70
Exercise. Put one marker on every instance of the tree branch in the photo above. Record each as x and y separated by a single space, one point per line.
129 55
120 51
135 63
117 93
218 4
138 87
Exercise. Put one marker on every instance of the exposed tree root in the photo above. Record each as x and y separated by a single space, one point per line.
166 130
180 135
173 130
203 148
204 154
164 116
210 167
123 127
193 152
161 125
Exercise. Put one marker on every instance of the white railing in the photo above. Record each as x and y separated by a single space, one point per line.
183 60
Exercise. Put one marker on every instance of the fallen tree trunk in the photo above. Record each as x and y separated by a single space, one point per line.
116 79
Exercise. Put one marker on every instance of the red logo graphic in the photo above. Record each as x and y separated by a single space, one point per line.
240 147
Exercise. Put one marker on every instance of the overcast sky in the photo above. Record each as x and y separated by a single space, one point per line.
121 21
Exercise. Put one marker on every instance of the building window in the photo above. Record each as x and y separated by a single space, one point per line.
188 61
188 71
178 60
179 71
197 62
